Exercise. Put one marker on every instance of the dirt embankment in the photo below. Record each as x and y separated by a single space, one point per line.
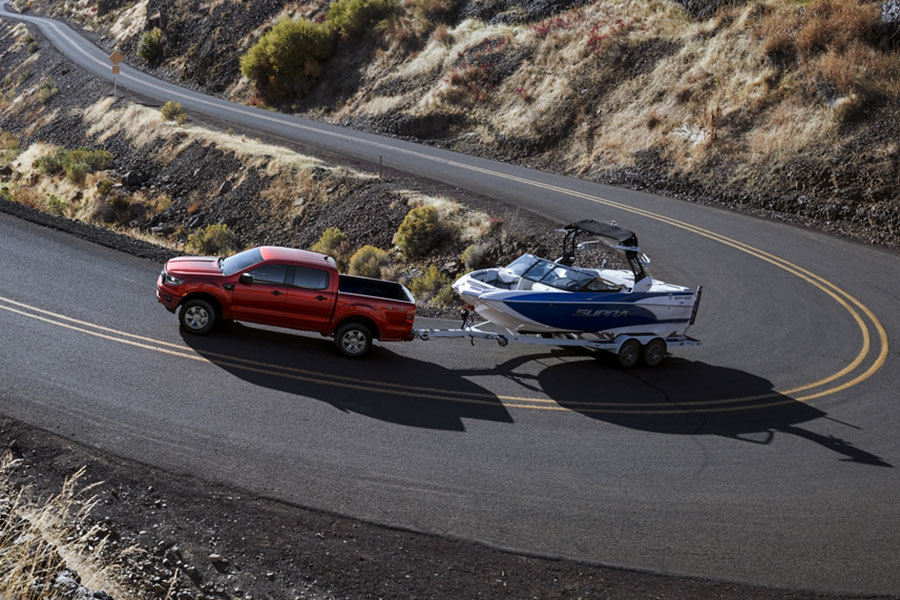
175 185
783 109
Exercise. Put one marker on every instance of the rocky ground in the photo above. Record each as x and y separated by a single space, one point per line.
217 543
699 129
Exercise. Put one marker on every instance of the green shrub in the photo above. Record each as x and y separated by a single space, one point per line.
433 288
474 256
419 232
286 61
104 187
445 297
47 90
74 163
212 240
171 110
333 243
368 261
55 206
150 45
350 17
33 47
76 172
330 242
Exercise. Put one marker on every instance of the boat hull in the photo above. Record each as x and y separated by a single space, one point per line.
657 314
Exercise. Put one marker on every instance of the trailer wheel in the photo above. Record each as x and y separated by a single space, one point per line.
654 352
353 340
629 353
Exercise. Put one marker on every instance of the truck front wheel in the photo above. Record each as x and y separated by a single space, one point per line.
197 316
353 340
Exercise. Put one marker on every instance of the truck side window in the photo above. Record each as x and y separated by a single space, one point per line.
269 274
310 279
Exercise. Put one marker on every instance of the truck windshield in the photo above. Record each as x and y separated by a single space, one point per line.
240 261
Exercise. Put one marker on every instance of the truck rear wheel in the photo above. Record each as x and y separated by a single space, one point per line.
353 340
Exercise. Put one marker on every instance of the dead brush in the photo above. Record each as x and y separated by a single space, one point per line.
861 70
38 541
790 32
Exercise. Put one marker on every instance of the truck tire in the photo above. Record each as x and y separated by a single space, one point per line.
353 340
197 316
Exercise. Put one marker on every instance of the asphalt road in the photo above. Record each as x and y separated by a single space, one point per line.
767 455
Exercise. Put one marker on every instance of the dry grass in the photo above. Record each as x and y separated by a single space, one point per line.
38 540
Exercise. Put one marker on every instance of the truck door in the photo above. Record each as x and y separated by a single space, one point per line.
262 299
310 298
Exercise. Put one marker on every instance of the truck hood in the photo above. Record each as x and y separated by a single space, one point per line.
193 265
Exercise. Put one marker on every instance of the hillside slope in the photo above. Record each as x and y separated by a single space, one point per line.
781 108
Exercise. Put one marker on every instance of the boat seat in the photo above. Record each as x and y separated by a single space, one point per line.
506 277
543 287
525 284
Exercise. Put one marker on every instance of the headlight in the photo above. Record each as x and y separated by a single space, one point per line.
170 280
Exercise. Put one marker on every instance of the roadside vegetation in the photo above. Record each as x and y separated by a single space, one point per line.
149 47
776 107
43 542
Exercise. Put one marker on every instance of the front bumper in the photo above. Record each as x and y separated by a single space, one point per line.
167 296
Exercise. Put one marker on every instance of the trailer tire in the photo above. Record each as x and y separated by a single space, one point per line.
629 353
654 352
353 339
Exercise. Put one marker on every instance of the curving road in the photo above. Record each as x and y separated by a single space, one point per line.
767 455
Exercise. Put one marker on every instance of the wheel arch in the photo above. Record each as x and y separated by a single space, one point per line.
362 321
217 306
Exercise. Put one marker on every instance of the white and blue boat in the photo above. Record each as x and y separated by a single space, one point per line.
533 295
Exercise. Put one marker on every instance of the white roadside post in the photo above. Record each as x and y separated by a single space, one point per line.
116 58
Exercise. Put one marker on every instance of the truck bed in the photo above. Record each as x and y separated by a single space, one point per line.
378 288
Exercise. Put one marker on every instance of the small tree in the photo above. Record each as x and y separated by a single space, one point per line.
368 261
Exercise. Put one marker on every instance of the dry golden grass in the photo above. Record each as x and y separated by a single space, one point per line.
39 539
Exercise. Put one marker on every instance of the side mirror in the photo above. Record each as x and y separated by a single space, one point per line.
246 278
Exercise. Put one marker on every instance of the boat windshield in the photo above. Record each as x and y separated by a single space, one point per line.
522 264
559 276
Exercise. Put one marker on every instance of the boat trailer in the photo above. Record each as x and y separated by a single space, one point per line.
629 348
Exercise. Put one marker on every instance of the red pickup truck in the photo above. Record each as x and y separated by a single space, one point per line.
291 288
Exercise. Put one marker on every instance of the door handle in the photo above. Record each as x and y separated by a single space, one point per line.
320 298
276 293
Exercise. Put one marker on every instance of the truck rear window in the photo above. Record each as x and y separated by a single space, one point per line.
372 287
310 279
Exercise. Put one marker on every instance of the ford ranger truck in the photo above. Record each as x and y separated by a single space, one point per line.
286 287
